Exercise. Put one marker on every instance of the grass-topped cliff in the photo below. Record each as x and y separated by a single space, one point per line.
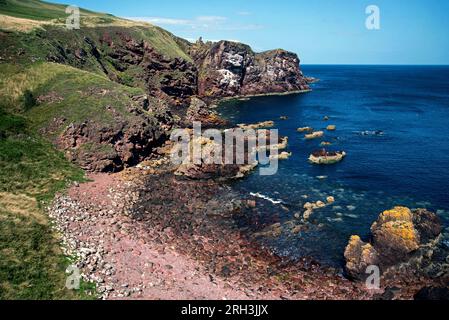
100 98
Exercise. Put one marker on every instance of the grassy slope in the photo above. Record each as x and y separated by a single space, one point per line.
37 10
76 95
160 39
31 170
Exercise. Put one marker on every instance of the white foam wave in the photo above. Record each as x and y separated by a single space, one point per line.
262 196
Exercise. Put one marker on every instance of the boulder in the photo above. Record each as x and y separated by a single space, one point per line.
212 163
282 156
199 111
359 255
307 214
395 236
254 126
320 204
427 224
330 199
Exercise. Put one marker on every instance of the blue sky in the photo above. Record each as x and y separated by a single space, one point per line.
320 31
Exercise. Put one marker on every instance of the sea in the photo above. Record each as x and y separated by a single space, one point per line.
393 123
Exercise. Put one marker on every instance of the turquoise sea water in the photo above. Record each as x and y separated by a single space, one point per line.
393 122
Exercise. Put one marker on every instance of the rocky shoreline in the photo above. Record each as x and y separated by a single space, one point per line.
109 96
145 233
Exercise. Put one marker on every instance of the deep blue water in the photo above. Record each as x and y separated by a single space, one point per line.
407 165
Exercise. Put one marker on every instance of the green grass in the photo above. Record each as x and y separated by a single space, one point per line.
93 25
163 41
36 10
31 9
78 95
31 265
31 166
31 172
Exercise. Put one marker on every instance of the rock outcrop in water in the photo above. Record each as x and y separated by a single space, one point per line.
396 236
219 162
229 69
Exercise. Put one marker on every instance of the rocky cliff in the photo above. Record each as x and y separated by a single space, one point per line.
207 70
234 69
89 110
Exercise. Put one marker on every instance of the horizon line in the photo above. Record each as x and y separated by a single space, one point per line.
374 64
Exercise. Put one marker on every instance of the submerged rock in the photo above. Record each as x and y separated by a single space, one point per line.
282 156
372 133
314 135
273 231
307 214
259 125
304 129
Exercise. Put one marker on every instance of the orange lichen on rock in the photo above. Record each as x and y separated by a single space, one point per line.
367 252
359 255
354 240
400 236
396 234
396 214
395 230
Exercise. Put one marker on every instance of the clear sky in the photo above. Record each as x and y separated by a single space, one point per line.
320 31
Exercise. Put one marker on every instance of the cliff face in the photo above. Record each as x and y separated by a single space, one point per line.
234 69
109 93
214 70
126 56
